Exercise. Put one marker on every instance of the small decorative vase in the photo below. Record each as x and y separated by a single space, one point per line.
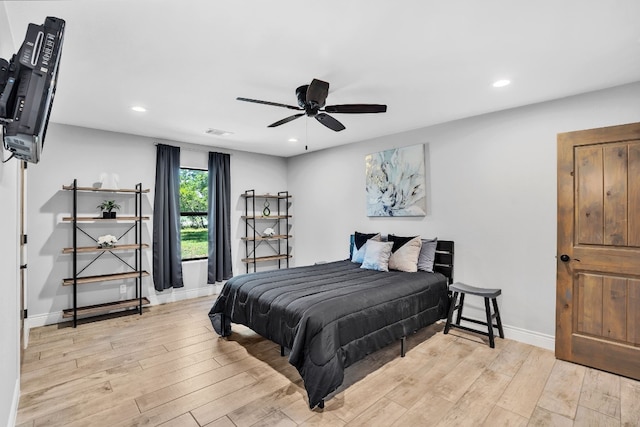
108 215
266 211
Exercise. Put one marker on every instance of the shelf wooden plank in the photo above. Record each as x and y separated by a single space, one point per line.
104 278
99 218
266 217
85 249
267 196
276 237
266 258
101 308
106 190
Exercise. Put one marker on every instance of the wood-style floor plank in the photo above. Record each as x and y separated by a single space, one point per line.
167 367
560 394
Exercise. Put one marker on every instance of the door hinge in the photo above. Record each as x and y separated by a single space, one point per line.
24 315
24 239
23 266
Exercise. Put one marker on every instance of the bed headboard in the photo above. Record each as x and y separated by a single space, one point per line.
444 259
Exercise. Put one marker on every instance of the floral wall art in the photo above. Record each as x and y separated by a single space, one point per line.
395 182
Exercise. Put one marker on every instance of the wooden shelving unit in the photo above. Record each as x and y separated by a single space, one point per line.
101 308
100 219
103 278
136 273
254 217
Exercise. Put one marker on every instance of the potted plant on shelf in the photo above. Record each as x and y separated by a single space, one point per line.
108 207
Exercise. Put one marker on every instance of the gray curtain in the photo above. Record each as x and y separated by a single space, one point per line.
219 210
167 257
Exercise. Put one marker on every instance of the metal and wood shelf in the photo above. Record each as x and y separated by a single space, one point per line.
137 246
277 244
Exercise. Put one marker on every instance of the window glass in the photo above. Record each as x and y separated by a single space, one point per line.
193 213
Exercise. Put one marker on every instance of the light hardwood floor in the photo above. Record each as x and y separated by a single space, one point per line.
168 367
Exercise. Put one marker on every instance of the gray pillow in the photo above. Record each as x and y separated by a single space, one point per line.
427 255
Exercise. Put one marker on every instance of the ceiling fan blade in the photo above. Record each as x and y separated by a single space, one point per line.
286 120
356 108
329 122
275 104
317 92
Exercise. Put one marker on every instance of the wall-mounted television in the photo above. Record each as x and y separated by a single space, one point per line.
27 88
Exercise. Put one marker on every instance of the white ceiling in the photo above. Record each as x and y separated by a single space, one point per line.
430 61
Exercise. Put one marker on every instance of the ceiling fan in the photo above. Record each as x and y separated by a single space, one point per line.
311 100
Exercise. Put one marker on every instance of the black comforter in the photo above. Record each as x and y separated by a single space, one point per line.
330 315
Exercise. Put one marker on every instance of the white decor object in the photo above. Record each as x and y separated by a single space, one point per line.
110 180
269 232
107 241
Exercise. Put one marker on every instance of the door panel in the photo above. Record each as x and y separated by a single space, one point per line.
634 195
615 163
598 288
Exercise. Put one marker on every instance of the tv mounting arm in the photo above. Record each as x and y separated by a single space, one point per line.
7 83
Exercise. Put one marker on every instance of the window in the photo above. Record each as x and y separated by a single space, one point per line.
193 213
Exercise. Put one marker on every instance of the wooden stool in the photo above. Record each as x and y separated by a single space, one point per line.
488 294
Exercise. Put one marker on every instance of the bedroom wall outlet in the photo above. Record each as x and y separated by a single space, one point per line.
123 289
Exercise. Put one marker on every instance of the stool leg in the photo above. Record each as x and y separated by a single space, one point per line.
487 309
498 320
452 307
459 318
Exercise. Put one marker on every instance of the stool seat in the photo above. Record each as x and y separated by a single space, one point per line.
472 290
489 295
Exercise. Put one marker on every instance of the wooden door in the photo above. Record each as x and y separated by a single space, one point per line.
598 271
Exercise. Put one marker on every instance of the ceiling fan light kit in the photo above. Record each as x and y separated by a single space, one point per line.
311 100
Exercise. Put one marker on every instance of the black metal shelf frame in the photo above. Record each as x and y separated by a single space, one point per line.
280 222
136 226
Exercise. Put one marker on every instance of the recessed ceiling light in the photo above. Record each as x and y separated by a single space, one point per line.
138 108
292 140
217 132
501 83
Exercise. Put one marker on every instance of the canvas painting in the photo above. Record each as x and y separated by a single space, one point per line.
395 181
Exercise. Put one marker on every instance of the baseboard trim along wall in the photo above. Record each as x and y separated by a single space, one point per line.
13 413
173 295
537 339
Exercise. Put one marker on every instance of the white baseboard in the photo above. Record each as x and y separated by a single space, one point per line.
169 295
530 337
36 320
180 294
526 336
13 413
172 295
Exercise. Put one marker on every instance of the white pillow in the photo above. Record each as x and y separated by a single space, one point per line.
377 255
405 257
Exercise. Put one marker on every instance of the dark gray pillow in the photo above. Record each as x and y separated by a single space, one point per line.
427 255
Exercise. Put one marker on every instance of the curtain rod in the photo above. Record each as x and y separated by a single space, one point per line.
201 150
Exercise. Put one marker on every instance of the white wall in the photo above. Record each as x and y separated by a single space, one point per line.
10 301
491 189
9 265
74 152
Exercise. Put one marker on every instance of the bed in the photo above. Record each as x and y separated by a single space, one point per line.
333 314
